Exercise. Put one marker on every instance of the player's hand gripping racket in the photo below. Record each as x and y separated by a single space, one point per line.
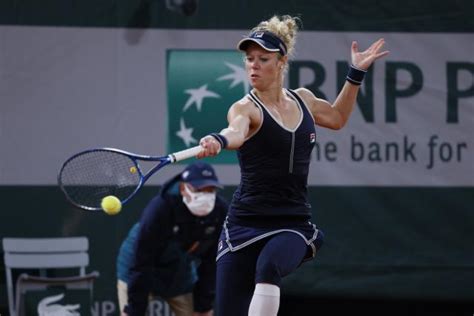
89 176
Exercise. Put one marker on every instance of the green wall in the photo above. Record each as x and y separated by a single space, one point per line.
388 243
367 15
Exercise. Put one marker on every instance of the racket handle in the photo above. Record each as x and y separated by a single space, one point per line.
185 154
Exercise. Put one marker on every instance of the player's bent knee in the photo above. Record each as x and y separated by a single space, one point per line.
268 272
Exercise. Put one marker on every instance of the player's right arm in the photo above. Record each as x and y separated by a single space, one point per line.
242 118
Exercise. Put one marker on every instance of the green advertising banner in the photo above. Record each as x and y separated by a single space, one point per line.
202 85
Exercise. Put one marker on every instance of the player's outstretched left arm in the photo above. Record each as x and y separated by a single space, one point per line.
336 115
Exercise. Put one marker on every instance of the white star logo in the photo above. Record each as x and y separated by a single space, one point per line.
186 133
197 95
239 75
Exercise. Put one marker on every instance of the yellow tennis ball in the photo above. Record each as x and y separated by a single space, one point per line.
133 170
111 205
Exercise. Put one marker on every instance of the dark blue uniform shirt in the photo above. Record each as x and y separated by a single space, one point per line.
171 252
274 165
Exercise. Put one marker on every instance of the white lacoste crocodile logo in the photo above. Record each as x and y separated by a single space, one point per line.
44 309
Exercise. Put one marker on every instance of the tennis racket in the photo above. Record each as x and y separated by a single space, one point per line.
89 176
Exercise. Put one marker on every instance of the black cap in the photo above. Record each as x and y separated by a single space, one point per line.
267 40
200 174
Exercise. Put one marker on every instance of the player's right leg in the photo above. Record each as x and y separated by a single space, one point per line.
236 281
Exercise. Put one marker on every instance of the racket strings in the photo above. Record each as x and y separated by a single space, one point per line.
88 178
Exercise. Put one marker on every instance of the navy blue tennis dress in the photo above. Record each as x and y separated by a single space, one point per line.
272 195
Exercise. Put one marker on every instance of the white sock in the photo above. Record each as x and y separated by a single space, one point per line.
265 300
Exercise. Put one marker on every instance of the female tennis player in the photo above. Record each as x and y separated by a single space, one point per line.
268 232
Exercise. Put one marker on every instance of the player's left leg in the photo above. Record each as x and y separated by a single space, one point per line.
280 256
122 294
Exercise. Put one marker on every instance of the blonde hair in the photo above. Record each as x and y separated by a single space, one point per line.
284 26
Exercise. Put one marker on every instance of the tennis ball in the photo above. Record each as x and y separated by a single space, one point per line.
111 205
